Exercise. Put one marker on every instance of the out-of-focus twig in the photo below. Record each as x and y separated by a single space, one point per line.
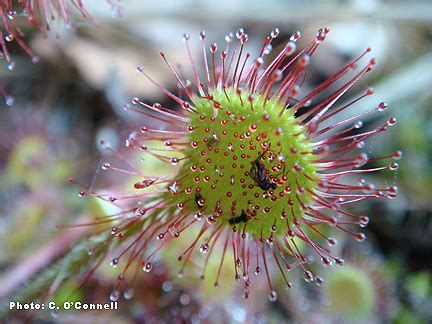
20 273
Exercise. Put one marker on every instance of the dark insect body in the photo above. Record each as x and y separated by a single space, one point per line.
212 141
198 198
242 218
260 175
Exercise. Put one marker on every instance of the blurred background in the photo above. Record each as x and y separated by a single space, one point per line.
74 97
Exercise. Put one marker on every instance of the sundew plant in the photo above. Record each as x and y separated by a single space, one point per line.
258 168
18 17
40 15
